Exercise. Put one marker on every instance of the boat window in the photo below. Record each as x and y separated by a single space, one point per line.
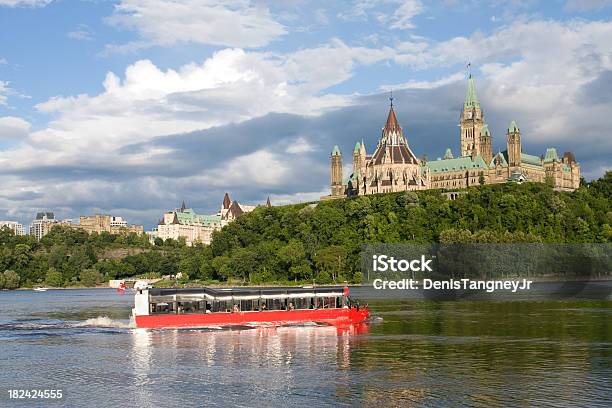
221 306
276 304
248 305
191 307
301 303
163 307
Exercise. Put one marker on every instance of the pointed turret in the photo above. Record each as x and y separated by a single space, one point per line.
513 128
183 206
268 203
486 144
471 121
226 201
392 125
471 100
514 145
337 189
448 154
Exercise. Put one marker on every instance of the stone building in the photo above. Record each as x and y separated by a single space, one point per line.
107 223
198 228
394 167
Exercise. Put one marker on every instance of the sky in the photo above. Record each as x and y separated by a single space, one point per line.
129 107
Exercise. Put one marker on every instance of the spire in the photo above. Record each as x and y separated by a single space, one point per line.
336 151
513 127
392 125
448 154
485 131
268 203
471 100
183 206
226 201
357 147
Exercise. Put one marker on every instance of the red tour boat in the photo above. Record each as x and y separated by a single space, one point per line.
201 307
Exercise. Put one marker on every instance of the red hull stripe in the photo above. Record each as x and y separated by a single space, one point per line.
331 316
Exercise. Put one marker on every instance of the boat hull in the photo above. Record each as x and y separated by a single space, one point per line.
274 317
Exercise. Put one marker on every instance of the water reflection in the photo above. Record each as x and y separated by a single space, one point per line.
262 362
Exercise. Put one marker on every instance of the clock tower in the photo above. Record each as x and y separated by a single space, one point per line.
471 122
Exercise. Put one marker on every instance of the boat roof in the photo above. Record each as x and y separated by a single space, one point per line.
245 291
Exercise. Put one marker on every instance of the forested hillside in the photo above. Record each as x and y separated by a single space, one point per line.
320 241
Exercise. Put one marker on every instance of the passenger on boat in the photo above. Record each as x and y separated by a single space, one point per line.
263 307
291 307
236 309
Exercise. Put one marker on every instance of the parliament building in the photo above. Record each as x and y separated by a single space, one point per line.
393 166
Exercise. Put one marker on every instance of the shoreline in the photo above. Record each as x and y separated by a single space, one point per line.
274 284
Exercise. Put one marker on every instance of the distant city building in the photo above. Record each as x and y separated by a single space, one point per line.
16 227
107 223
43 223
197 228
394 167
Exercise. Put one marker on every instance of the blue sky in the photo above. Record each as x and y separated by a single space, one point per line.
100 99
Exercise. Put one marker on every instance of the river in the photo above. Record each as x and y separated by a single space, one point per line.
513 351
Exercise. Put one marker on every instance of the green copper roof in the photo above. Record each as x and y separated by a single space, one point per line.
485 131
448 154
517 176
471 100
513 127
530 159
551 155
336 151
357 147
459 163
502 158
188 216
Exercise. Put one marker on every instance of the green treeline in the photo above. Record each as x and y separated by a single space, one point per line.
317 241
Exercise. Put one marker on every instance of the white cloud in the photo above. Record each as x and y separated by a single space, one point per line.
12 127
458 76
225 88
234 23
24 3
299 146
402 18
82 33
3 61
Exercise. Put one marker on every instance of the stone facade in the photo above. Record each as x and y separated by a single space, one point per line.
107 223
394 167
197 228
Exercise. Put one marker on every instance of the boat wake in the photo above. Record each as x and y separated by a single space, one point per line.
51 327
104 321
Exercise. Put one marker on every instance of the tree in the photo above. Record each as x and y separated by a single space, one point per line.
90 277
331 260
481 178
54 278
11 280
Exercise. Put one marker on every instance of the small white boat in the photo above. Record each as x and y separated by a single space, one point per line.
40 289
